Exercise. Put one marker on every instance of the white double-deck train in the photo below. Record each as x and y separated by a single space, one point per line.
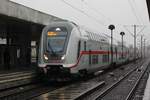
67 49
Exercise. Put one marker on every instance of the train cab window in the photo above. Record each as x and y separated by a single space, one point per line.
56 39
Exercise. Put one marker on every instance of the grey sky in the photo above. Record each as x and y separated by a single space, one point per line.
98 14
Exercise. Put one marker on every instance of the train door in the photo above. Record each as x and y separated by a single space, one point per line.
86 58
93 56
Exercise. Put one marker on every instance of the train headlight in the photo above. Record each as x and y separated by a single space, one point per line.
63 57
45 57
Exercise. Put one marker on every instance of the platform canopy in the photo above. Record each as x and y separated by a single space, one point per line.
15 10
148 5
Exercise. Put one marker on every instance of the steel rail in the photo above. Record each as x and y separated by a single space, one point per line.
135 85
106 91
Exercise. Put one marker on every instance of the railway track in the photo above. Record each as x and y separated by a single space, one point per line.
140 90
122 89
29 91
15 82
84 89
16 79
24 85
75 90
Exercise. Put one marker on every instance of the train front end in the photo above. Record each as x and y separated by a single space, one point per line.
52 50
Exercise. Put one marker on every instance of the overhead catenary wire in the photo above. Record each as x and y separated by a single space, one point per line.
81 11
136 26
109 19
128 30
141 30
133 10
137 17
98 12
138 11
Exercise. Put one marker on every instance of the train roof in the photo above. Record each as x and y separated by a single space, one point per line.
60 23
94 36
85 32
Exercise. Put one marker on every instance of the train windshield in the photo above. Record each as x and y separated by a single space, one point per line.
56 39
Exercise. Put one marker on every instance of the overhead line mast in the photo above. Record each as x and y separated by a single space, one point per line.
135 36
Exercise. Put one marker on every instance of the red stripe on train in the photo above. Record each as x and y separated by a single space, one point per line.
94 52
101 52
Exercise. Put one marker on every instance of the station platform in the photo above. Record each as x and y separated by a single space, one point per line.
147 90
16 77
17 69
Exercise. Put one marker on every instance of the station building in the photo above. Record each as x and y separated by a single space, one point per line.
20 30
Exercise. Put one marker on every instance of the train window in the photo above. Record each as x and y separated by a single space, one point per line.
56 39
120 57
105 58
100 47
94 59
84 45
79 48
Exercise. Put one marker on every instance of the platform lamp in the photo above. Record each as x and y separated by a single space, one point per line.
111 27
122 34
